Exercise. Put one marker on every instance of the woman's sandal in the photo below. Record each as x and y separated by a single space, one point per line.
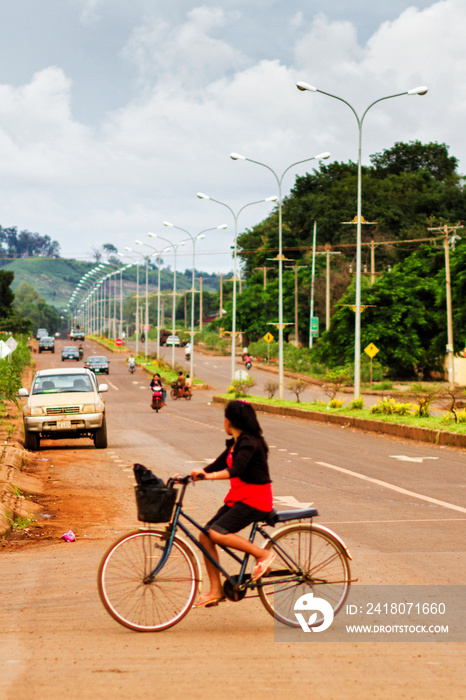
205 602
261 568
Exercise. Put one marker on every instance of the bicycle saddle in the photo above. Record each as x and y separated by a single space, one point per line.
282 516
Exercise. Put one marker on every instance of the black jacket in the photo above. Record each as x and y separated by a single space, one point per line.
249 460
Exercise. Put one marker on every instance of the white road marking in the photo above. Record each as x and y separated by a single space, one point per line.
386 485
294 454
404 458
291 502
306 457
408 520
113 385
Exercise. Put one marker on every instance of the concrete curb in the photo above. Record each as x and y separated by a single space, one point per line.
407 432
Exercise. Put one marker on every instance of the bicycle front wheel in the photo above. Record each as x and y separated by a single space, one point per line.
136 600
307 558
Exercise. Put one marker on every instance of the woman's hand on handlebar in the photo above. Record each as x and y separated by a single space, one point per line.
198 474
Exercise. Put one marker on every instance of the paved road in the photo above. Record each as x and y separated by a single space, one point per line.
56 637
216 371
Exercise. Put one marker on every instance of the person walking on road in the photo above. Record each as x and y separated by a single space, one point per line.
244 462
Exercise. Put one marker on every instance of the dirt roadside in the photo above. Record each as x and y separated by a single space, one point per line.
39 503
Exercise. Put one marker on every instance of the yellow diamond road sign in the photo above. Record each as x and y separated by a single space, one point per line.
371 350
268 337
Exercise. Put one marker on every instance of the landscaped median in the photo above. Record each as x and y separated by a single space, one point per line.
427 430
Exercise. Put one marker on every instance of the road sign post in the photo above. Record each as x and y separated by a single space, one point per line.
372 351
268 337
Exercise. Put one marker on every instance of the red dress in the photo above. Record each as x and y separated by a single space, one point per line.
253 464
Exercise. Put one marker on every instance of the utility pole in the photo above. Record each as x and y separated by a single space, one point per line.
372 244
201 313
296 267
264 268
221 296
447 230
328 253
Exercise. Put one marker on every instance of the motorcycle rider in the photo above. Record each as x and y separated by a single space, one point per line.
131 363
181 383
156 382
187 352
81 352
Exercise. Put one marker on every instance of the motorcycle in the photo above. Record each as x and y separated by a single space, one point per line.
248 362
177 393
157 398
132 369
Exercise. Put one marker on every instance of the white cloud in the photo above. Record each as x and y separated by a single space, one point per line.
201 98
186 54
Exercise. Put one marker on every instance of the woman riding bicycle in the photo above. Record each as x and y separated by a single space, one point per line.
244 462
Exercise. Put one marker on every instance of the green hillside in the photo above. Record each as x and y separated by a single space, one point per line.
56 278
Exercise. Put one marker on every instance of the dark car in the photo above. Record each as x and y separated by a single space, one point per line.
97 364
46 343
69 352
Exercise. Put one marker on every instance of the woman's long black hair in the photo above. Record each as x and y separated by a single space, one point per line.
243 417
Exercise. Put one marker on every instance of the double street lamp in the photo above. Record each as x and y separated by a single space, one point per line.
279 179
194 240
357 333
235 218
175 247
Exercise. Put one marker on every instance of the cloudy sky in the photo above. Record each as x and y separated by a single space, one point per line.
113 114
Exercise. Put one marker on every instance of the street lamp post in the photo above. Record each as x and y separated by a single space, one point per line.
357 331
175 247
235 218
279 179
194 239
124 255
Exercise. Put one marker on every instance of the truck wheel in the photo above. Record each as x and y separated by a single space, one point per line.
31 441
100 436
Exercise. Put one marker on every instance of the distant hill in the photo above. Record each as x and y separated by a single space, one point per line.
56 278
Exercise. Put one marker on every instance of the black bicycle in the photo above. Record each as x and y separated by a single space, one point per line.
148 579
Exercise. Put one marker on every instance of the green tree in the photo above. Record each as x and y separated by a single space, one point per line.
407 321
29 304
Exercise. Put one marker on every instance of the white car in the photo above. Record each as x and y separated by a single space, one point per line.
64 403
173 340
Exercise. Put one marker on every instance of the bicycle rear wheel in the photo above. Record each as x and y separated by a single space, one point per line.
138 602
308 558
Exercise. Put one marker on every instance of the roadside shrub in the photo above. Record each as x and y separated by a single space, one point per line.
296 386
383 386
424 395
11 370
334 379
270 388
388 407
213 341
336 403
356 404
241 387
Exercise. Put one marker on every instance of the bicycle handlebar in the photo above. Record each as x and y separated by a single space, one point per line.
187 479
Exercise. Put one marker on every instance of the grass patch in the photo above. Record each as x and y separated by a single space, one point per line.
21 523
108 343
432 422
